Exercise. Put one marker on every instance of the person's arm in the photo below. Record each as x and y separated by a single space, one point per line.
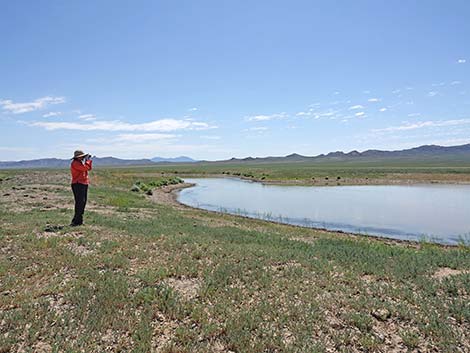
82 167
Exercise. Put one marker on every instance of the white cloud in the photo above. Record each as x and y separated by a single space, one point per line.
383 109
374 100
117 125
26 107
461 61
329 113
260 128
210 137
432 94
87 117
192 109
266 117
51 114
144 137
354 107
315 113
344 118
424 124
453 83
359 114
414 115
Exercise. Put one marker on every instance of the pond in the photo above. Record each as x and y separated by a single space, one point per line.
438 213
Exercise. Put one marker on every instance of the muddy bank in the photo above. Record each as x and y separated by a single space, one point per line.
168 194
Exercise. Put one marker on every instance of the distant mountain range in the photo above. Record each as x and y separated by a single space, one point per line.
423 153
99 162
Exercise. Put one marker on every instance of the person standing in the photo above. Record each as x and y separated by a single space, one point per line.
81 164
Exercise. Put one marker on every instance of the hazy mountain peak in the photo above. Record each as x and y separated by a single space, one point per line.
180 159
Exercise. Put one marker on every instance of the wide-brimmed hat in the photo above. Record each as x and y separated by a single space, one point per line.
78 154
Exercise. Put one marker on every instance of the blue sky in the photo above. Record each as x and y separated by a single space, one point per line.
217 79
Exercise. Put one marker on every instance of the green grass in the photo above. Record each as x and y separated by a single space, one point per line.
141 275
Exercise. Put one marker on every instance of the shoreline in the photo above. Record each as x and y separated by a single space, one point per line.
333 182
169 195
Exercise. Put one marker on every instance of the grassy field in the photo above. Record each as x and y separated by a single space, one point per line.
147 276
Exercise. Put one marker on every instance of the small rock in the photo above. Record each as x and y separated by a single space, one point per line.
381 314
52 228
380 336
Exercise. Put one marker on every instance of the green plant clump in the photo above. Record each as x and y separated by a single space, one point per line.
140 186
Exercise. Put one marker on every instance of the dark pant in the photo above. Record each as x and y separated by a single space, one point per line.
80 192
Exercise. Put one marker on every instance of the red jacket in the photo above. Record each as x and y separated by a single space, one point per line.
80 171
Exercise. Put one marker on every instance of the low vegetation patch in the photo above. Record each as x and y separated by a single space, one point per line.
147 188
